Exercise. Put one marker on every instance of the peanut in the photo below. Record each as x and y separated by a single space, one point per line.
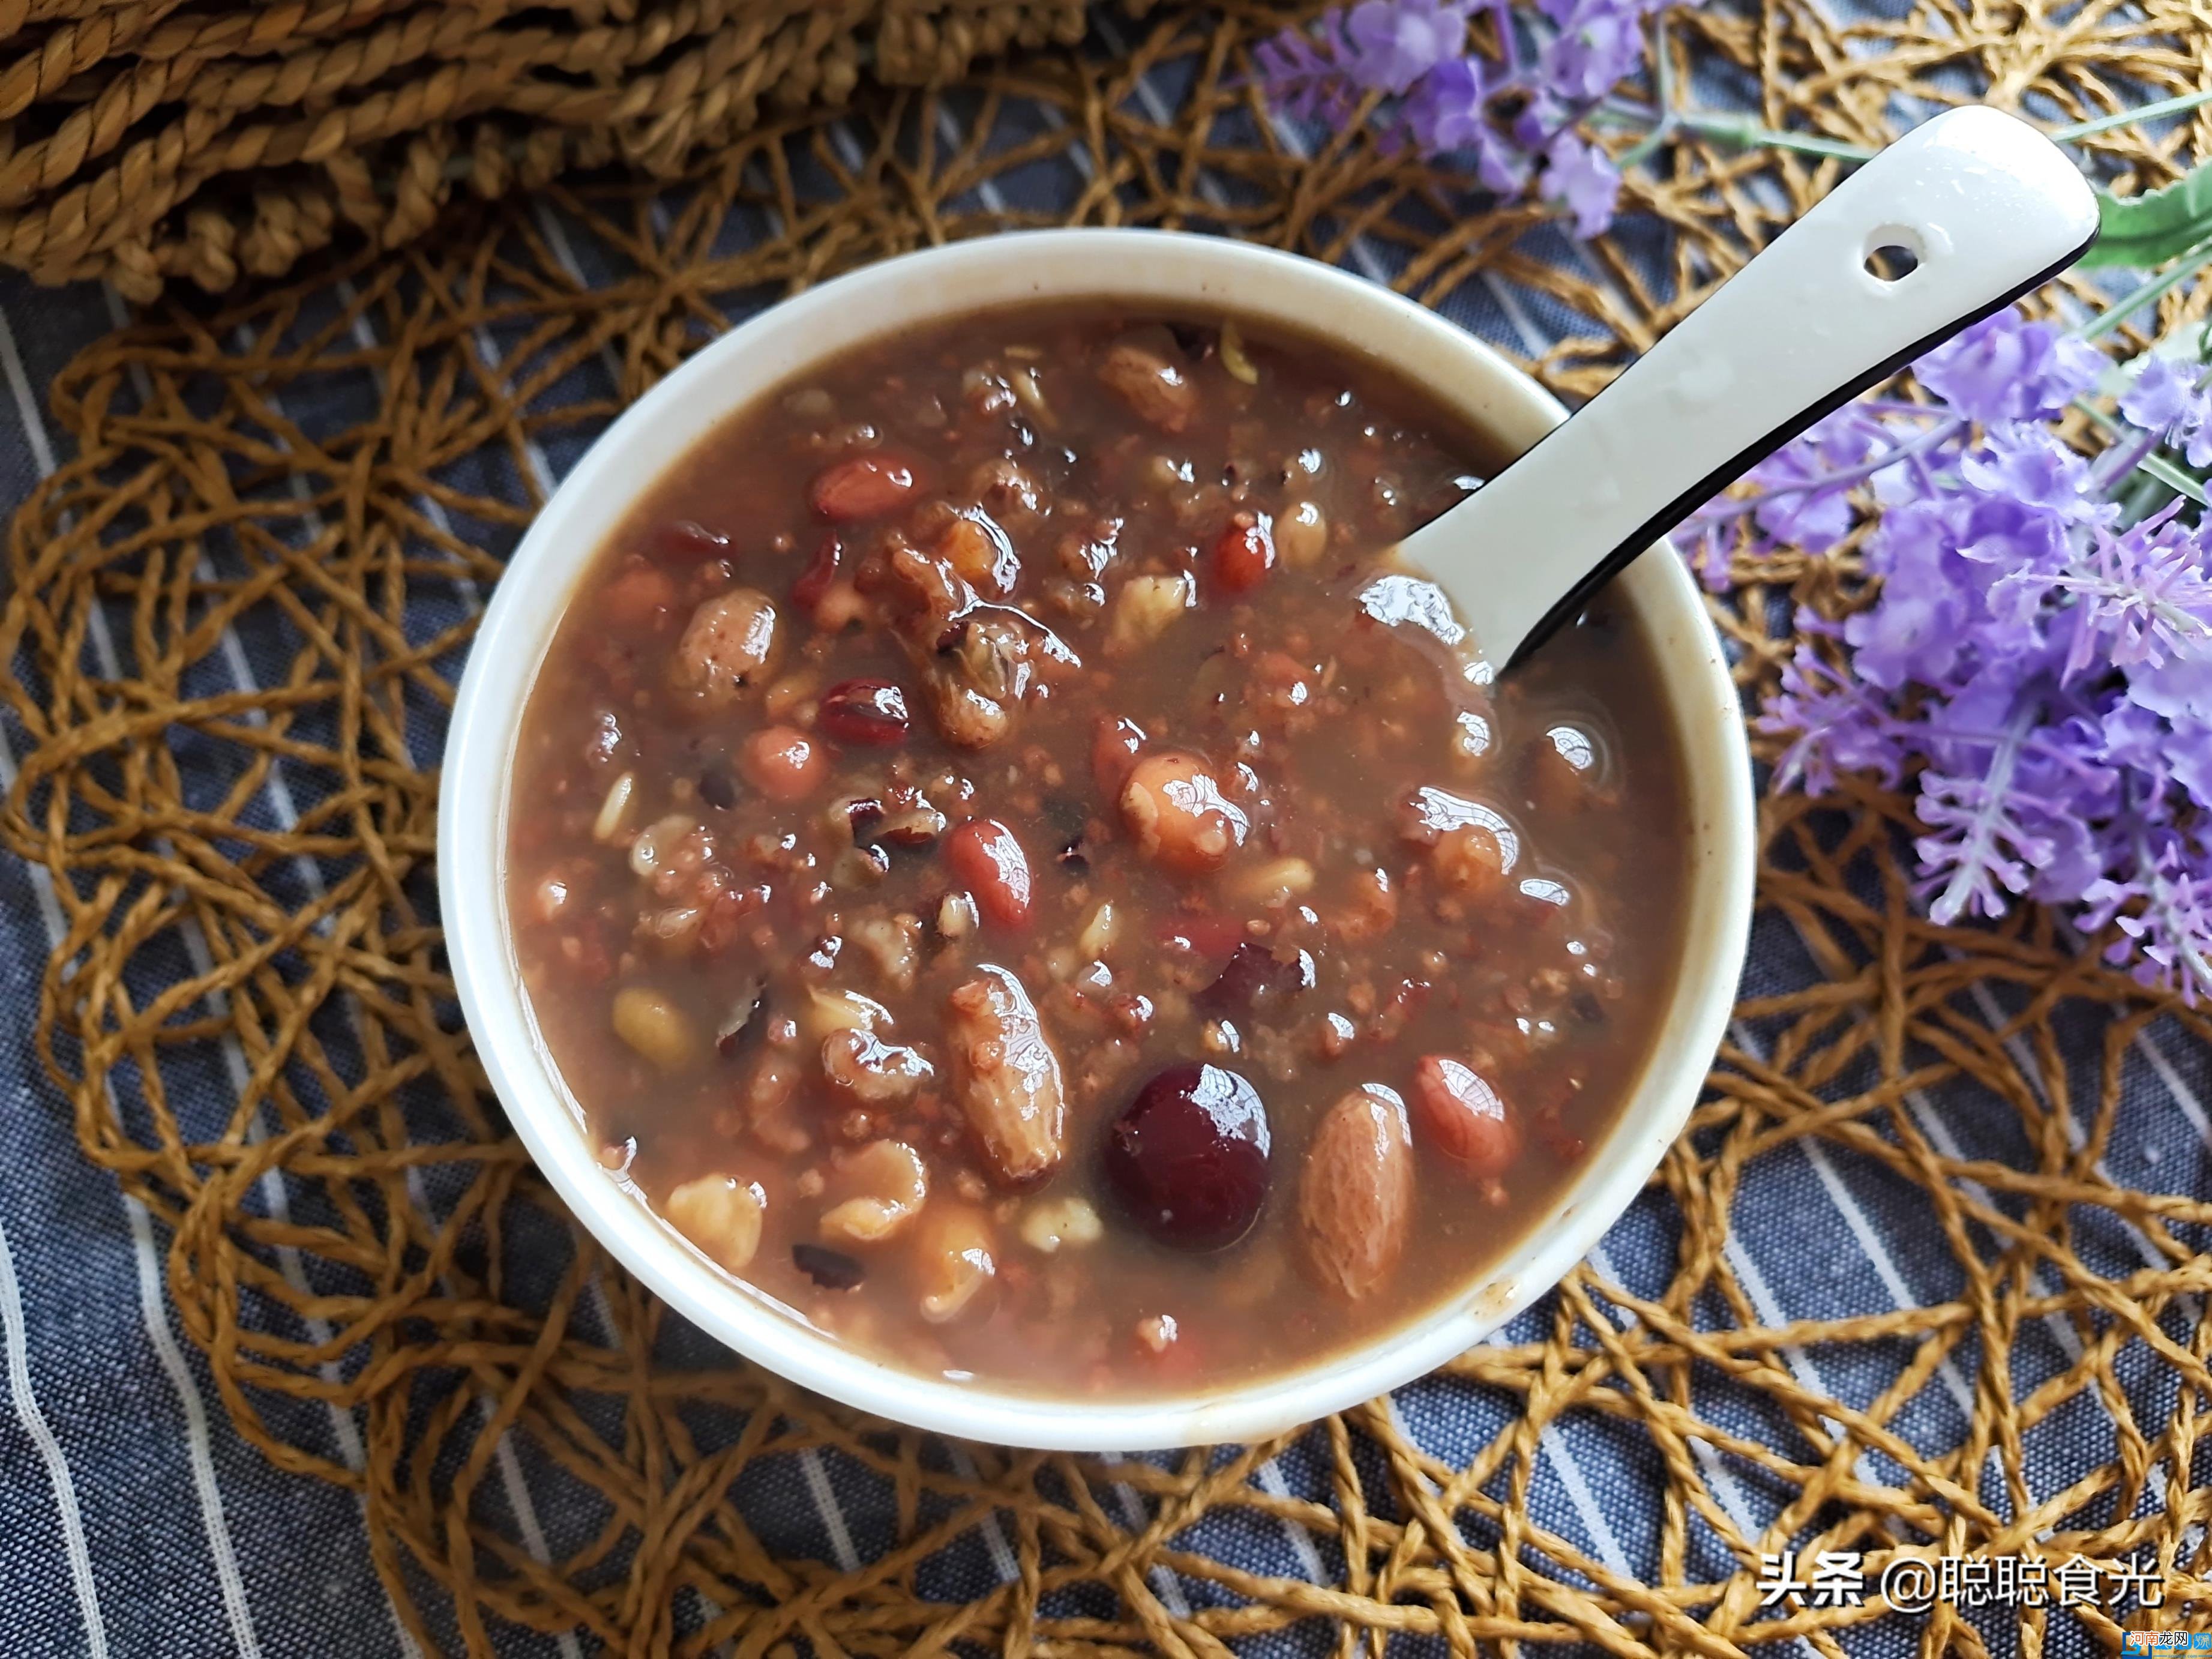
1008 1076
1356 1197
721 1215
656 1028
887 1184
955 1253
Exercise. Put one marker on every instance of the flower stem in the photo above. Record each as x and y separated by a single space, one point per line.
2177 106
1743 130
1721 511
1746 132
2153 464
2186 264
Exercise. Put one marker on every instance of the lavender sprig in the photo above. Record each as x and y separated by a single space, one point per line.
1509 116
2032 658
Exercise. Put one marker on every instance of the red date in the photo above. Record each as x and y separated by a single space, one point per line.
985 856
869 713
862 487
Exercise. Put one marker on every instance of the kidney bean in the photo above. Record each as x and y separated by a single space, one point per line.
1243 553
862 487
869 713
820 574
683 541
986 858
1463 1117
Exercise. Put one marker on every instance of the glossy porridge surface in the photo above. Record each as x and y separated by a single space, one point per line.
1011 872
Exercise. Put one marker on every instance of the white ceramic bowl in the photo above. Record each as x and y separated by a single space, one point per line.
1194 273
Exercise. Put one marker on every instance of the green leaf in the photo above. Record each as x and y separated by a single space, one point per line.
2143 232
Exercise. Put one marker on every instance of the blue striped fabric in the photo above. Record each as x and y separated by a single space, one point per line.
135 1520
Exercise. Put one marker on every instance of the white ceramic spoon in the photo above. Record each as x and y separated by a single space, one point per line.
1988 206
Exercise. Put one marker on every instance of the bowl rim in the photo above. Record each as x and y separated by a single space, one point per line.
1164 268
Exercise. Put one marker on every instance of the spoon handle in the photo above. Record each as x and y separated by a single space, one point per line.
1988 206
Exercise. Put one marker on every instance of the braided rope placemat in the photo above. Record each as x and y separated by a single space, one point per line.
249 1014
149 139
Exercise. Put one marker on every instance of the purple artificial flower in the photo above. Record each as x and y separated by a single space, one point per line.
2038 669
2142 596
1804 488
2174 404
1395 42
1513 119
2161 905
2006 368
1837 722
1917 629
1304 72
2161 397
1449 111
2179 691
1981 846
1581 179
1596 44
2030 465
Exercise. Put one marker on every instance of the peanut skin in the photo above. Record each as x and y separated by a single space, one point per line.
1356 1197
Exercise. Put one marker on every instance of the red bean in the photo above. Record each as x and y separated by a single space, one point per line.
821 571
862 487
1113 753
1202 934
1245 553
871 712
782 763
1461 1114
984 855
683 541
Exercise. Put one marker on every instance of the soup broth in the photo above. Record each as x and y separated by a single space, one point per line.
1012 873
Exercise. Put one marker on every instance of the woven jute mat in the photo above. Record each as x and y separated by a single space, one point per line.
143 140
419 1280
